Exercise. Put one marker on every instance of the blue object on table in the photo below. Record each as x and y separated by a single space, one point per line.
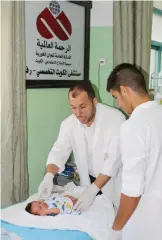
68 172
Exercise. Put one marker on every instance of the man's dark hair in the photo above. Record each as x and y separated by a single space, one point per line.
28 207
126 74
83 86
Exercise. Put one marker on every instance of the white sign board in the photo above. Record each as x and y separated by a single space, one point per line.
55 40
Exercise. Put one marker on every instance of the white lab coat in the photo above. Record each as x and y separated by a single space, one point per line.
105 146
141 151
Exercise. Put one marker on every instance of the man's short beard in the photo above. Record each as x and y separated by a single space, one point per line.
92 114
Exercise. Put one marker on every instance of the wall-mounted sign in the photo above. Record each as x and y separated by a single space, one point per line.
57 43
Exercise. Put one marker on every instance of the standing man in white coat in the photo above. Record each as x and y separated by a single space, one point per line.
92 133
140 210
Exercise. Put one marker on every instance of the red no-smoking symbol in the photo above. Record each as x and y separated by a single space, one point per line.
48 25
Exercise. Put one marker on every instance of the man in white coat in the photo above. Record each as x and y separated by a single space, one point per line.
92 133
140 210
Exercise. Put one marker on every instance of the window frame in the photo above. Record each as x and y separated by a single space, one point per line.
157 45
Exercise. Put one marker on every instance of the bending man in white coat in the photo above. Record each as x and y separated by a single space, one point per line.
140 210
92 133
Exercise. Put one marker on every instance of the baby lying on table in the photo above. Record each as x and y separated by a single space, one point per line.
53 206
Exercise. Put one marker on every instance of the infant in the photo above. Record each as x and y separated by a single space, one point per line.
53 206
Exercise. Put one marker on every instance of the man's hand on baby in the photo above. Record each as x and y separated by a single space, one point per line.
86 198
46 186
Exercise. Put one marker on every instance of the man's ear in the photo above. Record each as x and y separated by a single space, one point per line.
123 90
95 101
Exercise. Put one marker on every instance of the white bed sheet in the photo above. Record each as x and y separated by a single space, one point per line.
97 221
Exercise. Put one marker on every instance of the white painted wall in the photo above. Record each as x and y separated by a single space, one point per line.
158 4
102 14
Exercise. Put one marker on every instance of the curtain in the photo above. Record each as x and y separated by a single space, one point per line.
14 172
132 33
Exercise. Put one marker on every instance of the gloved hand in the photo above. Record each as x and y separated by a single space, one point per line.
86 198
114 235
46 186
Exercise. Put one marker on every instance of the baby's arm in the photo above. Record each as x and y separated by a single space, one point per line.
50 211
73 199
53 210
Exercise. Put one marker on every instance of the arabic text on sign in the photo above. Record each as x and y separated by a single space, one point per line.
58 72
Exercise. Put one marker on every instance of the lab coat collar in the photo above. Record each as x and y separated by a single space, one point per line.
149 104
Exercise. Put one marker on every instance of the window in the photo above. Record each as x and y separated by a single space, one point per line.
156 46
156 56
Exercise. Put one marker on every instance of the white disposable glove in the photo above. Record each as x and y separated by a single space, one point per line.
46 186
114 235
86 198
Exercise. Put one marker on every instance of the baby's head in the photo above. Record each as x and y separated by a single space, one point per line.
36 207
